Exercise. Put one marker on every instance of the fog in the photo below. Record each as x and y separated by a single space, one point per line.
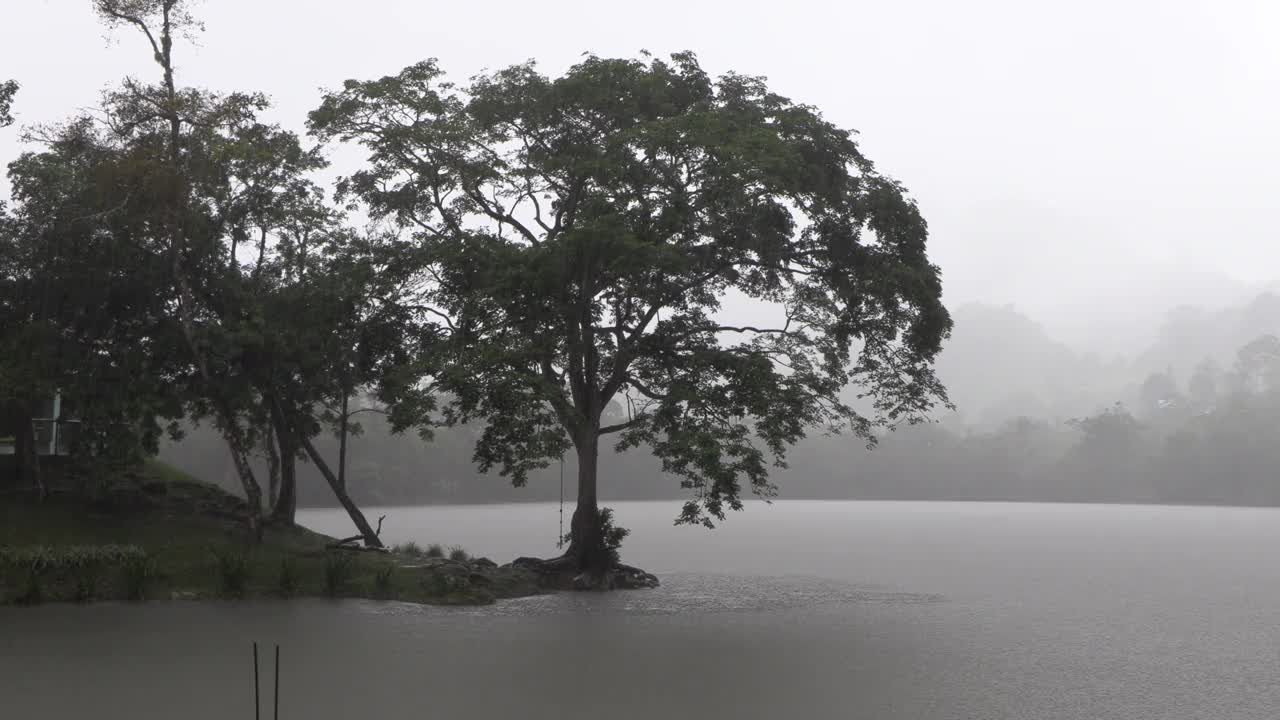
1099 181
1097 177
1187 418
1094 164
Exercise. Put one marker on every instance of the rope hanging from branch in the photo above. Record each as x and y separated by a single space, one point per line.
560 537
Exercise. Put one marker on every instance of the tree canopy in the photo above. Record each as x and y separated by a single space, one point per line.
555 260
169 255
8 89
580 236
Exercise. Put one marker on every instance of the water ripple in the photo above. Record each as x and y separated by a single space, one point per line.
682 594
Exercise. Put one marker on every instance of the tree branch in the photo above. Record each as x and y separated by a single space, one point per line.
107 10
622 426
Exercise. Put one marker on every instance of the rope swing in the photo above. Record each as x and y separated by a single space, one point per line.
560 537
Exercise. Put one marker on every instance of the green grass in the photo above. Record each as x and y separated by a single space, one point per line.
195 545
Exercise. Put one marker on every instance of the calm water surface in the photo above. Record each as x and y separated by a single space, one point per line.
801 609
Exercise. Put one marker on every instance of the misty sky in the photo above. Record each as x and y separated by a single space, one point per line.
1069 156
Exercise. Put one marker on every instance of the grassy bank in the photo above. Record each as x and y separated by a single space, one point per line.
160 535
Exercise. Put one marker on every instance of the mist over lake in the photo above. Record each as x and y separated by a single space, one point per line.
809 609
454 351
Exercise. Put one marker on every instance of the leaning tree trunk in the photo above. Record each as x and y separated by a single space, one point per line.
586 536
371 538
342 439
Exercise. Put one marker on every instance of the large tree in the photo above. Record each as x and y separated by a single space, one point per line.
582 236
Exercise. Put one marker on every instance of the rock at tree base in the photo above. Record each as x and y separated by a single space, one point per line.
555 575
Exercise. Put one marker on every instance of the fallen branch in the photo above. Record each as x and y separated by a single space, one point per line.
346 543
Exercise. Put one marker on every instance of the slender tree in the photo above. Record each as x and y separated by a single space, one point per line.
581 235
166 117
244 231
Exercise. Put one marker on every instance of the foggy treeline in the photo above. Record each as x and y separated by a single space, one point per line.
1192 417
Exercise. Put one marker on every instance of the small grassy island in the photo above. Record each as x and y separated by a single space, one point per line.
162 535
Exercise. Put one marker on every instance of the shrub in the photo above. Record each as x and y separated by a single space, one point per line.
289 580
436 583
27 567
233 571
613 535
31 565
137 571
86 584
434 550
410 548
33 592
337 572
457 554
382 582
85 568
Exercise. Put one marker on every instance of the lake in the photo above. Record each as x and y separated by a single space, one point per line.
875 610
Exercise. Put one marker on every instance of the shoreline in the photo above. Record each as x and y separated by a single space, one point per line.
162 536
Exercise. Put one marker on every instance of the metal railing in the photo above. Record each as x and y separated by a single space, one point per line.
54 436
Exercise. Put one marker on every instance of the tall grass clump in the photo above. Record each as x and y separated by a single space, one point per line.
289 579
457 554
137 571
29 566
338 568
86 567
410 548
233 566
382 582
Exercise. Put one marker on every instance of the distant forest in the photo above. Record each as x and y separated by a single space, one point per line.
1193 418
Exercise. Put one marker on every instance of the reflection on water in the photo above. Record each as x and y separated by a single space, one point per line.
817 610
686 593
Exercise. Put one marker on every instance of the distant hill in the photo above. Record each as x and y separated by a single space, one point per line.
1015 387
1001 364
1190 334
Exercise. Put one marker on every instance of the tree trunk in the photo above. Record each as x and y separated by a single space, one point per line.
284 511
286 507
273 467
370 537
586 536
342 440
252 490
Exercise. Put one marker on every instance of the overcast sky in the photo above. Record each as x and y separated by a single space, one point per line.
1071 157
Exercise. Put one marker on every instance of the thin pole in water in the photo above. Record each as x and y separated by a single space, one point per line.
560 539
277 692
257 706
